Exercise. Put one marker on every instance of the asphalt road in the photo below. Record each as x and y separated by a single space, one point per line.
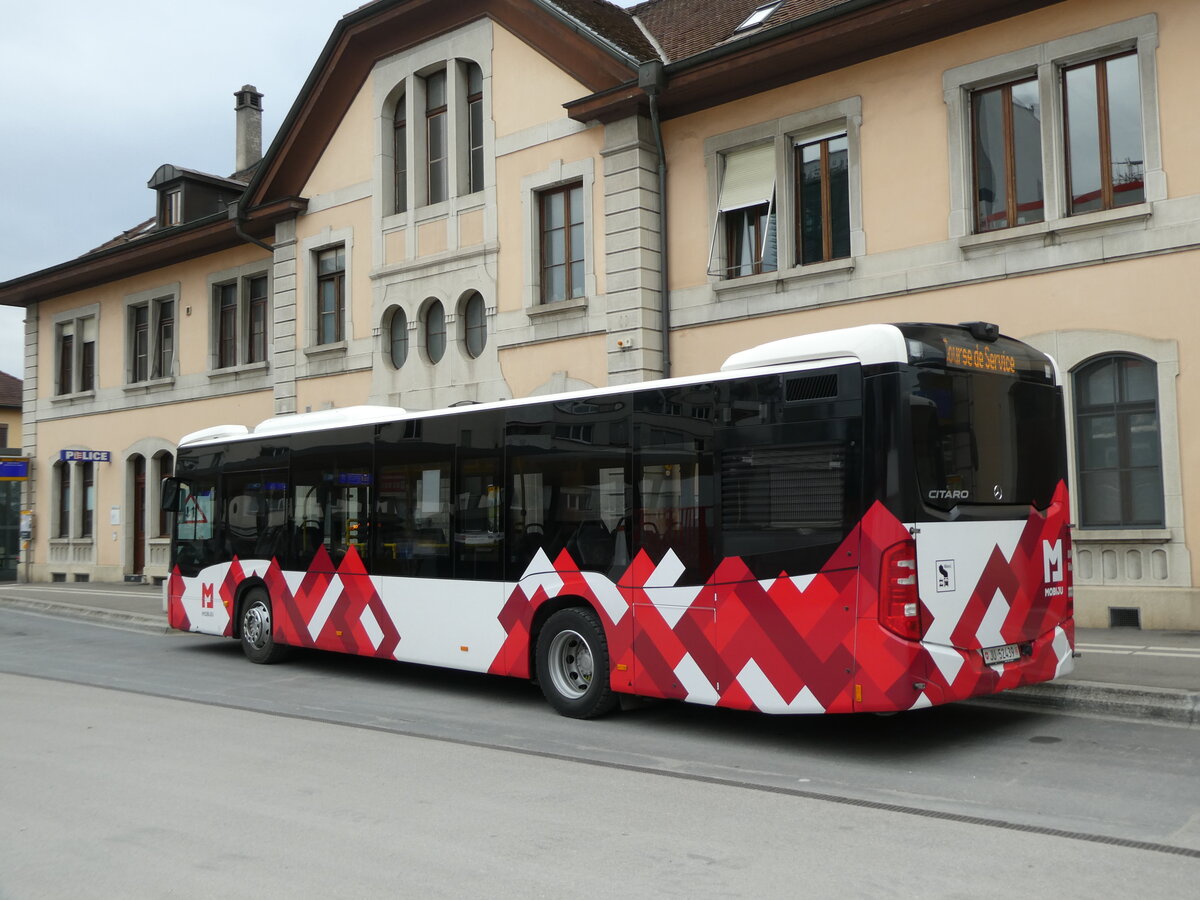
134 764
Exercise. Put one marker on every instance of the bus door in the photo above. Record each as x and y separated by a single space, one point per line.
676 649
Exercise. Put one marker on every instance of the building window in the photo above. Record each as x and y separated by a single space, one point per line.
64 499
172 207
474 128
746 214
398 338
437 170
760 15
1103 132
87 355
256 346
331 295
435 331
164 357
87 498
66 358
475 335
562 243
151 339
1118 443
823 200
1011 165
227 325
140 328
1006 123
241 308
400 155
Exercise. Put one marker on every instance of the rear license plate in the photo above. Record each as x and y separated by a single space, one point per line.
1007 653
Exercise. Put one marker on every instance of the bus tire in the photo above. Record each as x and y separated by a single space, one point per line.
258 640
572 664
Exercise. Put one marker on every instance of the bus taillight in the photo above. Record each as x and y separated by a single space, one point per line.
899 603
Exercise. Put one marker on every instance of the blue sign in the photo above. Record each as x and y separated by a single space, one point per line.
14 469
84 455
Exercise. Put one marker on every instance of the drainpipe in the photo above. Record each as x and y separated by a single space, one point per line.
235 213
652 79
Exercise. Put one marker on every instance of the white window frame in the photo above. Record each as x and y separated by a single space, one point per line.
1046 62
841 117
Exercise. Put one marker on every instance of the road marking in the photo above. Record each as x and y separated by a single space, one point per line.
1183 652
28 588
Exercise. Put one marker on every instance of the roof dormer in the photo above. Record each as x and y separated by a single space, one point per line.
185 195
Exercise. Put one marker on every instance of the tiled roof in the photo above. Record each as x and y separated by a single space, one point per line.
611 22
126 237
684 28
10 391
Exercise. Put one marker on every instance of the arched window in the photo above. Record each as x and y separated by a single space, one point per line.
475 315
398 338
1118 443
400 154
435 331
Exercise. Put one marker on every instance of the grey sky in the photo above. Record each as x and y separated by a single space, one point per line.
95 96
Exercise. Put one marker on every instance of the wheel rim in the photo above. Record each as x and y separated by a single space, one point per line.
570 661
256 624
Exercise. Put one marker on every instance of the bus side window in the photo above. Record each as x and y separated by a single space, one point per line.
255 518
575 497
413 519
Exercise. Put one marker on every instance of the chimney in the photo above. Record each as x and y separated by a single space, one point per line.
249 126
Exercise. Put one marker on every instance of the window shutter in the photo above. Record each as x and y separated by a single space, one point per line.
749 178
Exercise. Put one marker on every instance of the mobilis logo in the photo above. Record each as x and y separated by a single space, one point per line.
946 494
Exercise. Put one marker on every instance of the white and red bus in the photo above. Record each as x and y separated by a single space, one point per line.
869 519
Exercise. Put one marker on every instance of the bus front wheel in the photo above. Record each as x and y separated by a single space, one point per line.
258 640
572 664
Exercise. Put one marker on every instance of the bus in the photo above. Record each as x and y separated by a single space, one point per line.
871 519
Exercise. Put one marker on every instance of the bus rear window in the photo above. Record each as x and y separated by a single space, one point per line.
985 439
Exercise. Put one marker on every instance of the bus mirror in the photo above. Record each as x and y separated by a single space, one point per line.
172 494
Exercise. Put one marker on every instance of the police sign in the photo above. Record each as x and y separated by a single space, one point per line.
84 455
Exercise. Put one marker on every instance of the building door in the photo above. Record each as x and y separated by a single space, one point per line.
139 514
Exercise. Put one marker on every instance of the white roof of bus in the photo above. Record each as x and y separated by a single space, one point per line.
866 344
869 344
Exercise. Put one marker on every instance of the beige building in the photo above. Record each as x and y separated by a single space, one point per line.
465 204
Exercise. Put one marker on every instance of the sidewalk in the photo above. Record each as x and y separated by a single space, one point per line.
1121 672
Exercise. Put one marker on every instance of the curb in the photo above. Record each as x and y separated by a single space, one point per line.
132 620
1170 705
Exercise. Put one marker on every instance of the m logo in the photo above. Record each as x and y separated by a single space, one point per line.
1052 561
206 596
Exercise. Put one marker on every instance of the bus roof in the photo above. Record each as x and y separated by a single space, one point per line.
864 344
869 344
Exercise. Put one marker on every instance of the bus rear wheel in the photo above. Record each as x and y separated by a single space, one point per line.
572 664
258 640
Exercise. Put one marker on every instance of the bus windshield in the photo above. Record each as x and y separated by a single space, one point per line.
984 439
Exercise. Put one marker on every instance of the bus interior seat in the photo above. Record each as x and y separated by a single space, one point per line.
591 545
